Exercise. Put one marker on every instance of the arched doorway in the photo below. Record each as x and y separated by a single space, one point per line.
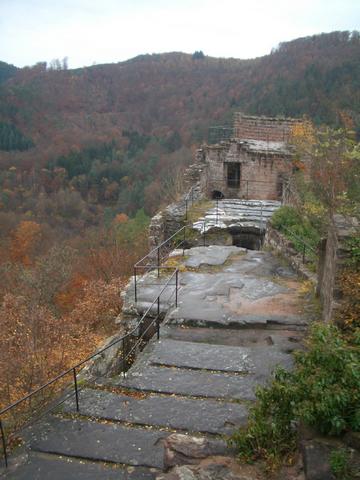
217 195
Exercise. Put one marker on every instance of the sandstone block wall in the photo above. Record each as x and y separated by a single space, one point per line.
263 128
261 173
284 247
169 220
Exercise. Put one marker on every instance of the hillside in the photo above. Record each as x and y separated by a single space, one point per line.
164 102
316 75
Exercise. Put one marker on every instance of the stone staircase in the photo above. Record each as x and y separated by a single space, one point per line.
246 214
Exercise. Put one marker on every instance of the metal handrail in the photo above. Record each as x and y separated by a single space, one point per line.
305 245
155 253
150 254
74 368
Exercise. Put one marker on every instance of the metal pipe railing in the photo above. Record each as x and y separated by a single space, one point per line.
156 253
304 245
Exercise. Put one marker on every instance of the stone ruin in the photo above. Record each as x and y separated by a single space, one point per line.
254 162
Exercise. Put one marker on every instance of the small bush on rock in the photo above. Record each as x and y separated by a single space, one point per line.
323 392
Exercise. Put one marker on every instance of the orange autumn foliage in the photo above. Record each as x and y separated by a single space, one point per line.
99 304
24 240
65 300
121 218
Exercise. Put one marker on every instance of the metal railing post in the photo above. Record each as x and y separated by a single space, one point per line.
135 284
76 390
184 240
4 444
158 318
204 233
124 357
158 261
176 286
217 211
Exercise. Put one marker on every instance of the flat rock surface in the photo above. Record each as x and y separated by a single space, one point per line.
98 442
253 290
212 255
41 467
172 412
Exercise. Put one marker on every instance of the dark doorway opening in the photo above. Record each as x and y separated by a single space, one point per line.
217 195
245 239
233 175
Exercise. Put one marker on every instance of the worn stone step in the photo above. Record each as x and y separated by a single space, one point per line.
285 340
194 383
53 467
98 441
256 361
193 415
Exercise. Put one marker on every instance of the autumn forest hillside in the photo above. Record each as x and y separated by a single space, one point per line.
147 108
88 155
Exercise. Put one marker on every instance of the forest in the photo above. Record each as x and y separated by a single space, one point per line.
88 155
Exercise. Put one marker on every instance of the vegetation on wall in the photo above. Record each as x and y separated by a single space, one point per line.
298 227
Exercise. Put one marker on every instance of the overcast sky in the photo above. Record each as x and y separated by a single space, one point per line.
102 31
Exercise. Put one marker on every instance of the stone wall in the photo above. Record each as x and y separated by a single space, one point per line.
263 128
195 172
277 242
166 222
333 258
262 172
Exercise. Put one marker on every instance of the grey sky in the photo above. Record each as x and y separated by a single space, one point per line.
102 31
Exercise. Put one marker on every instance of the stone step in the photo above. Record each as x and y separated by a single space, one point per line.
206 416
194 383
53 467
255 361
284 340
97 442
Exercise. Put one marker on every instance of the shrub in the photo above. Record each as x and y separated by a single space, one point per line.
286 216
323 392
339 464
298 228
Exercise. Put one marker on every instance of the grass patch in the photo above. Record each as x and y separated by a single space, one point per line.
298 228
198 210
